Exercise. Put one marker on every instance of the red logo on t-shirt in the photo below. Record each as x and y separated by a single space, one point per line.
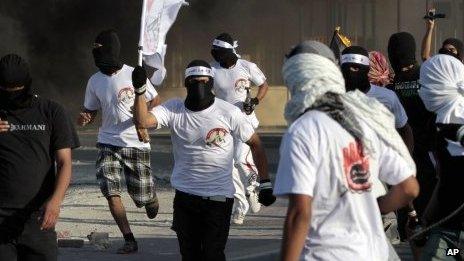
241 84
216 137
356 167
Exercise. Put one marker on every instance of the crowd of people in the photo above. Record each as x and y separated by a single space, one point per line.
362 141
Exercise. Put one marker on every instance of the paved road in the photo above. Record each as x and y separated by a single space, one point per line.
85 211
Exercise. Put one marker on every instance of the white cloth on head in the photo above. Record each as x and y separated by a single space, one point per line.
310 76
442 90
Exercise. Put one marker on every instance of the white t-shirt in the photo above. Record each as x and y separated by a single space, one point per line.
203 145
320 159
390 100
230 84
114 96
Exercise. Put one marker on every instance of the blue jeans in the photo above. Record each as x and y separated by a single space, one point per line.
440 240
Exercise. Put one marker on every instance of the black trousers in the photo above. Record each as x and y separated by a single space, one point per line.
202 226
22 240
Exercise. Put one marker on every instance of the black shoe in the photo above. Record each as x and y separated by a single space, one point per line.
128 248
152 208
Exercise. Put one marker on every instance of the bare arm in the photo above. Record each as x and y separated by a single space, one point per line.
427 40
259 156
296 226
142 118
399 195
63 177
407 136
262 90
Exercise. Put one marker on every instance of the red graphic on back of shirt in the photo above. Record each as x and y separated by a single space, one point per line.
216 137
356 167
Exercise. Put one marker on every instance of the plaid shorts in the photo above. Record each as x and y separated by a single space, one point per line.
135 162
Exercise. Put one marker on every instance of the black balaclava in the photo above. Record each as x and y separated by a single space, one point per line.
457 44
106 52
357 57
402 54
199 94
14 72
226 57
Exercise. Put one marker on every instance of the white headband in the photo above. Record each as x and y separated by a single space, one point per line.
355 58
223 44
199 71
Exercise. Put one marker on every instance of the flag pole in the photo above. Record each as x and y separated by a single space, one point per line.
142 31
142 133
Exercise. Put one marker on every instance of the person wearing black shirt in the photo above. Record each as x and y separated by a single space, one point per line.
35 134
402 55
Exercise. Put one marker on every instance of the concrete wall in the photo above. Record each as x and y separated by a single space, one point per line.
56 36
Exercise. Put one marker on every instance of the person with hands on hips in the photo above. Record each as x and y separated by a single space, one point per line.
203 131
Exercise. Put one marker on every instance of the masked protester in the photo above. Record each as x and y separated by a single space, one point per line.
355 68
233 78
441 77
453 47
204 130
402 53
330 162
31 188
110 91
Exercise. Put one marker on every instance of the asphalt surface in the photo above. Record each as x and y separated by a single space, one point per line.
85 211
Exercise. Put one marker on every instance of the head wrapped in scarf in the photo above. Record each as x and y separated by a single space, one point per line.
223 50
457 44
314 47
355 67
379 71
316 83
442 91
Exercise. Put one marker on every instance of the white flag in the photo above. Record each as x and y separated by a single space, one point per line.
157 18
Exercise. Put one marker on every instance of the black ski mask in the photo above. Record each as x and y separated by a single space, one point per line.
14 72
224 56
456 43
402 51
106 52
354 71
199 94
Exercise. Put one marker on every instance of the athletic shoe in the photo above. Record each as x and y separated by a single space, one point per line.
152 208
237 218
252 198
128 248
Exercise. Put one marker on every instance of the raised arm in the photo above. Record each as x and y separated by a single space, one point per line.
427 40
142 118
